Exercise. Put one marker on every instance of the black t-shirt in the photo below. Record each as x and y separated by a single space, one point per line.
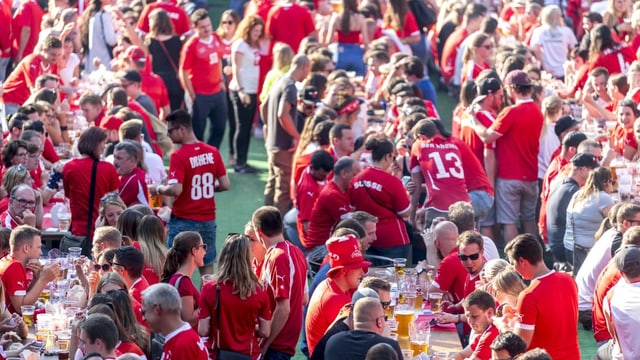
354 344
557 210
282 92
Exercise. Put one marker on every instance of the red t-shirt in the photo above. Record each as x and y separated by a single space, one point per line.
481 344
49 151
549 307
184 343
129 347
451 276
21 80
289 23
607 279
623 137
133 188
331 206
136 107
6 41
391 199
137 309
202 62
196 167
475 176
6 220
469 136
238 316
616 60
517 149
29 14
14 279
556 164
284 272
324 306
450 51
154 86
137 288
300 163
471 71
178 16
307 193
186 288
76 177
440 162
410 27
150 275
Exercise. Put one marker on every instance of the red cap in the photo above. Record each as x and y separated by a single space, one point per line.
345 253
111 123
134 53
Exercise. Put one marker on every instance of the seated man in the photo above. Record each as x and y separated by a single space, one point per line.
368 326
507 345
105 237
129 263
25 246
24 208
98 335
479 308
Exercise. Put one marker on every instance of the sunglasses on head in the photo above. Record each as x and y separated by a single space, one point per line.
385 304
467 257
104 267
109 196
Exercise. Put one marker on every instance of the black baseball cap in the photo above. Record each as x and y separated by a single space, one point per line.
565 123
585 159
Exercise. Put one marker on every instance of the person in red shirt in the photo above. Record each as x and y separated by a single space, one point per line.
5 38
479 308
347 268
161 310
152 84
238 298
284 271
26 245
26 28
548 307
311 183
193 171
289 23
128 160
471 20
450 275
201 77
22 80
516 132
92 108
129 263
178 16
623 140
24 208
98 335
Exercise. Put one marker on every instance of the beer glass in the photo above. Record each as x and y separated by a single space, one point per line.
27 314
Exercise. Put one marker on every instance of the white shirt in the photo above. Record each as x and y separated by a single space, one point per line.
555 44
490 249
548 145
155 167
593 264
625 307
248 67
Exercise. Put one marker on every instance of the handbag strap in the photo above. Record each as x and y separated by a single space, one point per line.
217 342
104 37
166 53
92 195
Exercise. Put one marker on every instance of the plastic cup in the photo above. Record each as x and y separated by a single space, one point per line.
435 302
75 252
27 314
399 264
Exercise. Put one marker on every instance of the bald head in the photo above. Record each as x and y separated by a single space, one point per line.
300 67
446 235
367 314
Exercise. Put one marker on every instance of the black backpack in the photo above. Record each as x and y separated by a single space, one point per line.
424 14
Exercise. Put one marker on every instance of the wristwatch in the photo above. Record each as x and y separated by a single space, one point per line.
420 271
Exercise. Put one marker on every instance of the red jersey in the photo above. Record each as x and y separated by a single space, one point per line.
481 344
238 316
382 195
450 51
451 276
471 71
324 306
133 188
307 193
184 343
21 80
289 23
284 272
137 288
49 151
14 280
154 86
76 177
202 61
475 176
178 16
440 162
331 206
607 279
553 322
623 137
517 148
300 163
616 60
148 124
186 288
7 221
6 41
469 136
196 167
129 347
29 14
410 27
556 164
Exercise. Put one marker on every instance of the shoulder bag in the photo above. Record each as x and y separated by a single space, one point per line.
227 354
104 37
69 240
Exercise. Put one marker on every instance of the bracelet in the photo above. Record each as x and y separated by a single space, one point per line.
64 128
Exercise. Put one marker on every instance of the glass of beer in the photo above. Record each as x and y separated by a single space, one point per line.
27 314
404 316
399 264
441 355
419 299
410 299
435 302
419 333
45 295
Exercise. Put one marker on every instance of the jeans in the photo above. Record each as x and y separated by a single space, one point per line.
213 107
244 115
482 202
206 229
290 221
350 58
402 251
276 190
276 355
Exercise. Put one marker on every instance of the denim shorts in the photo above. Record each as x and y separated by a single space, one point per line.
482 202
206 229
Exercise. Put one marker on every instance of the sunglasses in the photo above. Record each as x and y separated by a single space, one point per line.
104 267
473 257
204 246
385 304
109 196
227 22
124 267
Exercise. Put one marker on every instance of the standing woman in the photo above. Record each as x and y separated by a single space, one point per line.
226 32
382 195
98 34
184 257
151 240
164 46
243 303
245 60
553 41
476 57
400 20
353 37
76 177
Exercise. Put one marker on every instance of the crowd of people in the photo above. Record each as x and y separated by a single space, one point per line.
522 208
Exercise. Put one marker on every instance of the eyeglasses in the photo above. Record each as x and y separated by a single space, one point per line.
473 257
116 264
204 246
25 202
34 156
104 267
230 22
